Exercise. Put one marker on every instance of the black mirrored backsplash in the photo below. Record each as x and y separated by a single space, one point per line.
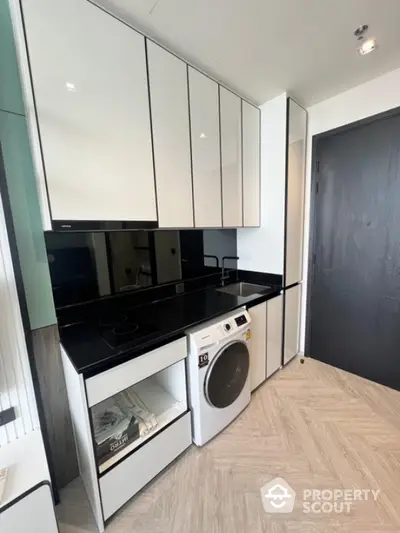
89 266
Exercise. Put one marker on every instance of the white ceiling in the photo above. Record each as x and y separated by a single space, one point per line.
261 48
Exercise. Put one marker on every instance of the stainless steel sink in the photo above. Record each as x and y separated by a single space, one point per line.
243 289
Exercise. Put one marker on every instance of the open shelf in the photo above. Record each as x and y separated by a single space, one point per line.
154 392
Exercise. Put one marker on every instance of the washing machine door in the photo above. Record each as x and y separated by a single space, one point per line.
227 374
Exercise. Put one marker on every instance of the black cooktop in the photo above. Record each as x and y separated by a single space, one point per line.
118 329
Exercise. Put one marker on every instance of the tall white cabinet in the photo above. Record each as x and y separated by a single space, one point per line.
296 147
251 165
258 344
170 122
204 120
231 158
274 334
292 323
90 84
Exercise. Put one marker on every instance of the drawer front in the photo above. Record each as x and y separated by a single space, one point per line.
126 479
123 376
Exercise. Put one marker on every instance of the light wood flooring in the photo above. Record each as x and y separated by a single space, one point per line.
313 425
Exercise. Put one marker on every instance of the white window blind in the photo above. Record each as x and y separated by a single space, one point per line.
16 387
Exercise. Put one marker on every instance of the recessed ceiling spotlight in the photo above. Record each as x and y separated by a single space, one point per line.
367 47
360 31
70 87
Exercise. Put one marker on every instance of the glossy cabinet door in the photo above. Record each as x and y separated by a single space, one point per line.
171 137
90 84
251 165
295 193
258 344
292 323
274 334
206 161
231 158
34 512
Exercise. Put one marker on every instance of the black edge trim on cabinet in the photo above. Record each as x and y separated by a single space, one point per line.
21 9
190 142
100 475
27 493
93 445
23 305
311 245
115 361
102 225
241 157
149 38
146 53
286 189
292 285
220 156
283 327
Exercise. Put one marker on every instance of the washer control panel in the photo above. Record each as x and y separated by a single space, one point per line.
241 320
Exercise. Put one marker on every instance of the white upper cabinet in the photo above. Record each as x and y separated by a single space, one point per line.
171 137
90 84
295 193
251 165
206 161
231 158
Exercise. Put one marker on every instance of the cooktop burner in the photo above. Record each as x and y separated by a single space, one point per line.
118 330
125 328
112 320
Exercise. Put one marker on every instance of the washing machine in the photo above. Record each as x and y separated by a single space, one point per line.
218 373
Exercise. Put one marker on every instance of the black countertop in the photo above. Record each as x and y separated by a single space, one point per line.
90 354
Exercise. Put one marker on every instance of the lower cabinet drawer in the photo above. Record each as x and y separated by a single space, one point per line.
126 479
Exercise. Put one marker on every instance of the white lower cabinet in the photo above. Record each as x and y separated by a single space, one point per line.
274 334
147 396
126 479
258 344
33 512
265 345
292 323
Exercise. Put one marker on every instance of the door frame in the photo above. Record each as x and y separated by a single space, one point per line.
313 202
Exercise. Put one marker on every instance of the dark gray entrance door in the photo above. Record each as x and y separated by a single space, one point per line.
355 291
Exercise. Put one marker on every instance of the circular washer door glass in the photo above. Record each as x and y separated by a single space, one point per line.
227 375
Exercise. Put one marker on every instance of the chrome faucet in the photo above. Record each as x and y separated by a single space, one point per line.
223 276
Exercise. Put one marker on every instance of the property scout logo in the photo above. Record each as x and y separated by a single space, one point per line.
279 497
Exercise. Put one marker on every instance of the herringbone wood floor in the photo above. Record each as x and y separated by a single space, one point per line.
313 425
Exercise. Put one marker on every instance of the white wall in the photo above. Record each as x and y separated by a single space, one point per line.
375 96
261 249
